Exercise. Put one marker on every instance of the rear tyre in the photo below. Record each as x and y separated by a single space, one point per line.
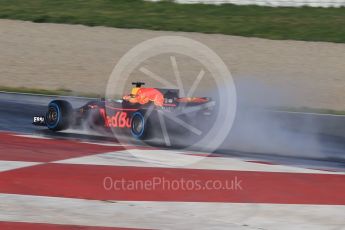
59 116
139 126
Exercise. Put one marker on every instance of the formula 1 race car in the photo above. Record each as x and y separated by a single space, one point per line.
136 113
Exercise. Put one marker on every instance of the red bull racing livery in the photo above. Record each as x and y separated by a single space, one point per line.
136 113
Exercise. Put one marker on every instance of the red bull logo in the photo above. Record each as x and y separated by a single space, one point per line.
118 120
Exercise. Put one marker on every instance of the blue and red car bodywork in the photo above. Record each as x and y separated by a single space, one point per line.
127 115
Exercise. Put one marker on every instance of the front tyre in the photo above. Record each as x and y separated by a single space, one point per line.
139 125
59 116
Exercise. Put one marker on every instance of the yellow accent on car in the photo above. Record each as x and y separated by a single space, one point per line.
134 91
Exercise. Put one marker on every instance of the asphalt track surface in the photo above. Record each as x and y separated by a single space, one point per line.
17 110
70 181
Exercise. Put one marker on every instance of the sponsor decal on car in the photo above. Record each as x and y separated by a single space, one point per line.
118 120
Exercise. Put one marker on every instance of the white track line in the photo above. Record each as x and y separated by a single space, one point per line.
173 158
169 215
10 165
32 136
165 158
307 113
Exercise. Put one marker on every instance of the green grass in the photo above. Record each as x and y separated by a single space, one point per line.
306 23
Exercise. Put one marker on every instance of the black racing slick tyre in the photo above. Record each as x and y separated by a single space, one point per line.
140 126
59 116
